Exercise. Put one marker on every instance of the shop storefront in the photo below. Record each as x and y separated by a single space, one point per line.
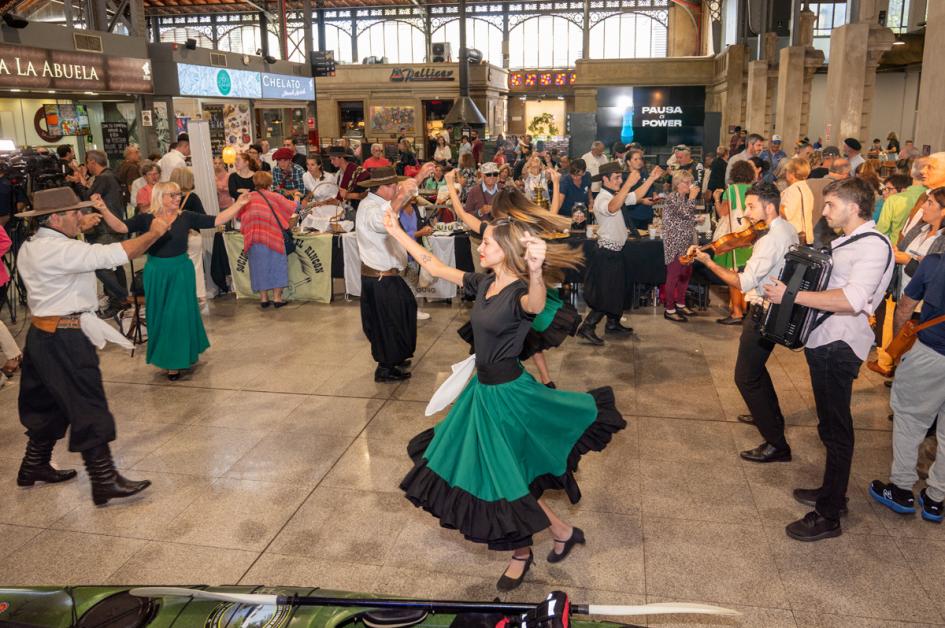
241 106
380 102
52 97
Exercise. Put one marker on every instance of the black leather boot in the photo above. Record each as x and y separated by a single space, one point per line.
588 330
107 483
36 468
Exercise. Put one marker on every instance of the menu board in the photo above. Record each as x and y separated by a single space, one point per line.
66 119
115 138
213 114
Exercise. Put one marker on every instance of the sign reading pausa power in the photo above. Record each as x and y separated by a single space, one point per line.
30 68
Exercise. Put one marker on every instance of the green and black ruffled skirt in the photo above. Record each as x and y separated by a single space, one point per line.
503 444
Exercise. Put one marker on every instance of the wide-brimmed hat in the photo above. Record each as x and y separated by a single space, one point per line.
611 167
490 167
336 151
53 201
385 175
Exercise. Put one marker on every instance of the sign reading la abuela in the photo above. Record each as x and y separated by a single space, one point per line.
34 68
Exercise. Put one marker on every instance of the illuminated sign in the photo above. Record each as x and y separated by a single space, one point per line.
287 87
31 68
202 80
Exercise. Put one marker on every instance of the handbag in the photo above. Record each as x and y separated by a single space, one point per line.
288 239
901 344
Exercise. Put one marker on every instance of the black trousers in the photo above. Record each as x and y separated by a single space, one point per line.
61 387
605 284
754 383
114 283
389 319
833 367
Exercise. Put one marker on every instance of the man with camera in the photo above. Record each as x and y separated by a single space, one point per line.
61 387
835 350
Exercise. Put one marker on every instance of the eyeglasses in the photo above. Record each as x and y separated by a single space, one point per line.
491 174
175 195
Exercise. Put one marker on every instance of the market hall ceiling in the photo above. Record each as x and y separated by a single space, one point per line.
182 7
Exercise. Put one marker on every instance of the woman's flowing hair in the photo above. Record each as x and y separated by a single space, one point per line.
508 234
510 202
157 194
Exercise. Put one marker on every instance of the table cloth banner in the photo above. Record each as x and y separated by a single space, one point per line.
309 268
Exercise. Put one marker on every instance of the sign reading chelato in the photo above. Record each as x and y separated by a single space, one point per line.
405 75
31 68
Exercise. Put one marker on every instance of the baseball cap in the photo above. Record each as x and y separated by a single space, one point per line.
489 167
776 139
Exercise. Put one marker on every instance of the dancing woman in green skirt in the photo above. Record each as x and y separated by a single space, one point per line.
176 336
507 439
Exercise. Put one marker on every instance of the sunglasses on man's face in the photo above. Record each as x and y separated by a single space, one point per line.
491 174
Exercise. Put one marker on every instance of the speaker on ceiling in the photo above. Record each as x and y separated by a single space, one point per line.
190 44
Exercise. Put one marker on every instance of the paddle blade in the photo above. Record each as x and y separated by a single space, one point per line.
254 599
667 608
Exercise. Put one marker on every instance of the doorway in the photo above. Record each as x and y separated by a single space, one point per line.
434 113
351 118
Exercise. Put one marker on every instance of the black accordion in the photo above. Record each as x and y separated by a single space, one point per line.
787 323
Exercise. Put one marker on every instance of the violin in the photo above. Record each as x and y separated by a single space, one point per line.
730 242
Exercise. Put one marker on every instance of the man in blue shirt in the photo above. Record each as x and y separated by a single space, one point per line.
575 188
918 397
773 156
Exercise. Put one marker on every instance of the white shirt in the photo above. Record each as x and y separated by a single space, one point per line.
309 181
378 250
136 187
862 270
767 259
855 163
742 156
442 153
593 167
610 227
59 272
170 162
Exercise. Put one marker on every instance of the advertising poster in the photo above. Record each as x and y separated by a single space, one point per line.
162 126
237 125
213 114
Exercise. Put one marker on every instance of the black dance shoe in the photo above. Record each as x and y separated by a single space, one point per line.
278 304
36 468
616 327
813 527
405 364
577 536
551 385
510 584
746 418
808 497
685 310
766 452
173 377
590 335
392 374
729 320
265 304
675 316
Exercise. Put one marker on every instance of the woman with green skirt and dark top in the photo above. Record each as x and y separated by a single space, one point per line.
559 319
176 336
507 438
730 203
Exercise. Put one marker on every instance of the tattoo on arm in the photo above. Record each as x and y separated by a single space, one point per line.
426 259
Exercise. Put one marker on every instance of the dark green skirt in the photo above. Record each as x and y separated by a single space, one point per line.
176 336
482 469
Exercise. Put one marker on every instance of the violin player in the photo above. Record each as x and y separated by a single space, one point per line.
762 203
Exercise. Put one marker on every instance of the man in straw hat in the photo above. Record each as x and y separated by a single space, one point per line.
61 385
388 307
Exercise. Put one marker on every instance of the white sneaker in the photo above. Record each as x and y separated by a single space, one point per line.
422 316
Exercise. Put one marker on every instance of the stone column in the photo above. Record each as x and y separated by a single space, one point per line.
762 86
930 123
855 50
796 69
683 32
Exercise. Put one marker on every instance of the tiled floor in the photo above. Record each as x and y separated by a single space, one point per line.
277 462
